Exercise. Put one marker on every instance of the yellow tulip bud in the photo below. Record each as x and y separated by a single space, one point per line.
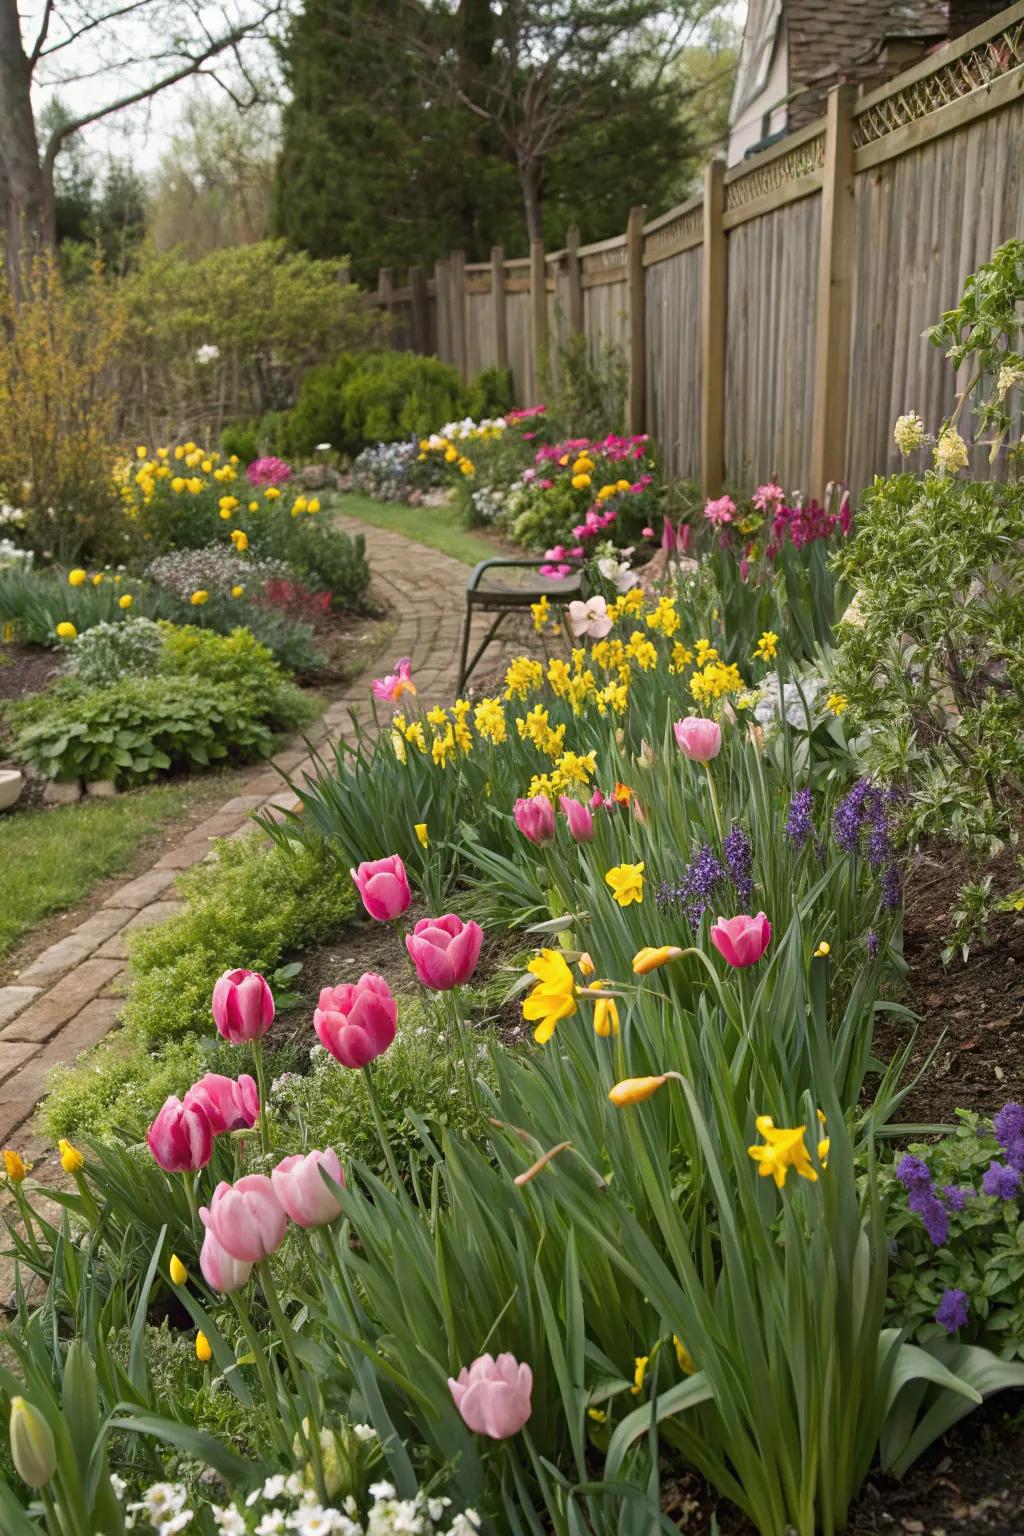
823 949
178 1272
77 576
633 1090
15 1165
647 959
203 1349
421 832
71 1160
586 964
66 630
32 1448
125 601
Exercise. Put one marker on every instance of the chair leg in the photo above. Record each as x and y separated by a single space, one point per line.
466 672
463 675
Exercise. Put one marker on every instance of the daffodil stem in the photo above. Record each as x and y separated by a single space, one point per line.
382 1134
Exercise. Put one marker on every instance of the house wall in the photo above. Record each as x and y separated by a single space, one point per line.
749 128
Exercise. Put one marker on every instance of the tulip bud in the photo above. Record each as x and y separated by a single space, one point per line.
633 1090
178 1272
204 1351
32 1449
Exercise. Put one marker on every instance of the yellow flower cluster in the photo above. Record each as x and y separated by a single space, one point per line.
139 480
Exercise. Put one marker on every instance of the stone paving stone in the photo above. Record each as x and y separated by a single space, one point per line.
13 1055
138 893
20 1093
14 999
44 1017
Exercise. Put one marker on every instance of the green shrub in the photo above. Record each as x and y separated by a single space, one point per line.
242 440
322 557
239 663
110 651
489 394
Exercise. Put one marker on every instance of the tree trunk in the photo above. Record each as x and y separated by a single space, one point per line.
529 181
27 210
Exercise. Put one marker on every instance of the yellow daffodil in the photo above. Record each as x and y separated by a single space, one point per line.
540 611
141 452
313 506
422 835
784 1148
633 1090
606 1015
97 579
199 598
767 647
837 703
580 482
271 493
177 1270
639 1372
15 1165
627 883
71 1160
598 1415
554 996
125 600
177 485
77 576
194 485
649 959
237 591
685 1360
203 1350
586 965
254 506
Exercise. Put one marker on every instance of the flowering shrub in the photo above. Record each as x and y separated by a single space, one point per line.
579 489
108 651
393 472
270 471
214 568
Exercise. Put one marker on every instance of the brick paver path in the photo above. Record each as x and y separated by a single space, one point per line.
70 995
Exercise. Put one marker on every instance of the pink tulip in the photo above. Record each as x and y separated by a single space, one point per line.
220 1271
357 1021
493 1396
243 1006
669 537
392 687
383 887
230 1105
444 951
302 1191
535 819
246 1218
742 940
181 1138
698 739
579 817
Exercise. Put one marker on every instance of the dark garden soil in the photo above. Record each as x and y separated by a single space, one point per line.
25 669
972 1016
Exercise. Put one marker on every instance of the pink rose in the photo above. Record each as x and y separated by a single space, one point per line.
698 739
444 951
493 1396
246 1218
302 1191
357 1021
742 940
383 887
243 1006
180 1138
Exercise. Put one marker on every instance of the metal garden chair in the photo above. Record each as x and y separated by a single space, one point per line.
500 595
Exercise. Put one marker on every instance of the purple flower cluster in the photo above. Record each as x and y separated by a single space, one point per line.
698 886
951 1311
739 856
866 809
921 1197
799 826
1008 1126
1000 1181
872 942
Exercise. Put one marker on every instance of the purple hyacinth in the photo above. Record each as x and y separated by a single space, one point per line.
1000 1181
913 1174
1009 1130
703 875
739 856
848 817
892 887
872 942
951 1311
957 1195
799 826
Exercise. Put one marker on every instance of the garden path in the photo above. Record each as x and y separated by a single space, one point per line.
70 995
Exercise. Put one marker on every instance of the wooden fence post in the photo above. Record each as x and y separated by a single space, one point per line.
457 267
538 315
712 332
442 311
574 278
635 283
835 295
499 307
418 328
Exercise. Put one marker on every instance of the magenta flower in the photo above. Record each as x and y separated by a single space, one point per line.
180 1138
720 511
698 739
444 951
302 1191
579 817
230 1104
268 471
742 940
769 497
383 887
220 1271
243 1006
246 1218
535 819
493 1396
392 687
357 1021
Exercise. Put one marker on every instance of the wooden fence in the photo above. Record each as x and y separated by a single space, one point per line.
772 325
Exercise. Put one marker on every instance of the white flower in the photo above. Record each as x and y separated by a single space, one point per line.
229 1521
207 353
1009 375
322 447
367 1431
437 1507
950 452
271 1524
118 1484
162 1500
314 1520
618 572
908 433
273 1488
381 1491
175 1523
589 618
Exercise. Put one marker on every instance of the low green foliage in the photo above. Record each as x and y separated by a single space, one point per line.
52 859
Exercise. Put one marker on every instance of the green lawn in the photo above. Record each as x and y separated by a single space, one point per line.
439 527
53 858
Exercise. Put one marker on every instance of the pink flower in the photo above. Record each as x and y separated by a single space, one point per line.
768 498
556 572
535 819
220 1271
383 887
581 822
742 940
357 1021
230 1105
268 471
180 1138
685 537
698 739
395 683
589 618
493 1396
246 1218
444 951
243 1006
302 1191
721 511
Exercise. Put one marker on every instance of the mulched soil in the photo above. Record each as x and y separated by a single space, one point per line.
972 1015
25 669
